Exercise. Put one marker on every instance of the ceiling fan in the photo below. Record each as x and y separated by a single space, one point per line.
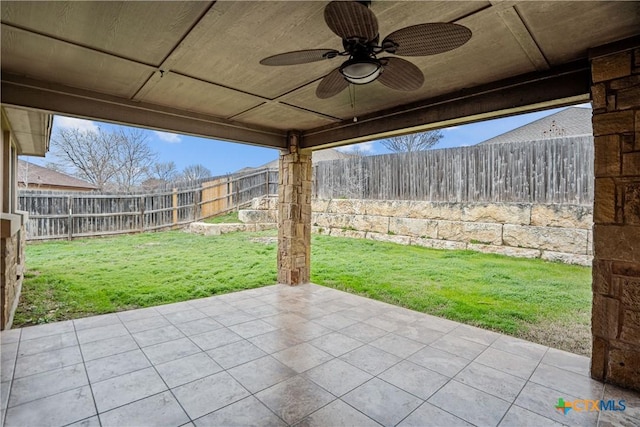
357 25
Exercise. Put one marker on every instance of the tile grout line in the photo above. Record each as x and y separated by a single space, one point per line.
523 387
84 366
223 369
446 383
13 375
158 374
209 356
450 379
250 395
348 404
373 376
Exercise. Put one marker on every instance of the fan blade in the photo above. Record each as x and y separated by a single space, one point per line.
332 84
300 57
349 19
400 74
426 39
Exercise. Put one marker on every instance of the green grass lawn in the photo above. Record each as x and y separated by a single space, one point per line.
74 279
527 298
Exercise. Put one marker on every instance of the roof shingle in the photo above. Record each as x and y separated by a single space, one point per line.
36 176
572 121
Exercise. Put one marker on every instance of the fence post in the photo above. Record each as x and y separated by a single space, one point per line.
237 201
142 203
314 181
266 181
229 199
70 218
196 198
175 206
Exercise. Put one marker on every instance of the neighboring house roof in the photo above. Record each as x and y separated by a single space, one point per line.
33 176
572 121
317 156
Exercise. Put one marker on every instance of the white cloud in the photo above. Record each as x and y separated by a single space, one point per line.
171 138
73 123
451 128
363 147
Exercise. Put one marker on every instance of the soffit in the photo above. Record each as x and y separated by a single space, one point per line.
30 130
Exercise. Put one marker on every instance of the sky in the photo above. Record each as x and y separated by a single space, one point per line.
222 157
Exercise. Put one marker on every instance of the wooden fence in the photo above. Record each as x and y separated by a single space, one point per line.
551 171
56 215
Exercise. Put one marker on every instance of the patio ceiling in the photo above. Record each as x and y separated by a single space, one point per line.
193 67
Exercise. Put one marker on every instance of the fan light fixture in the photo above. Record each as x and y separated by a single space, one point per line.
361 71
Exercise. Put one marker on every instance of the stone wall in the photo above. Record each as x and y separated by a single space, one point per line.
12 244
218 229
616 266
551 232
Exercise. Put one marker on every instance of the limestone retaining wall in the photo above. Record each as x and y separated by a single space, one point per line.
552 232
218 229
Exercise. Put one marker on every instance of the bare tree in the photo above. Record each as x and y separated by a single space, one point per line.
135 157
355 151
163 171
413 142
195 172
89 155
118 159
159 175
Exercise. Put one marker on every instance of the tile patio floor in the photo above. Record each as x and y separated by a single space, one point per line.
277 355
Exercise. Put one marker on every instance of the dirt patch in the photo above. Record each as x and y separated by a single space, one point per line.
36 310
568 335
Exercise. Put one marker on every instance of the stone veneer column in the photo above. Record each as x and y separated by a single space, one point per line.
616 236
294 214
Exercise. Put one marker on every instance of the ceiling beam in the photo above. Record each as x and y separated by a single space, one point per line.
521 33
59 99
561 86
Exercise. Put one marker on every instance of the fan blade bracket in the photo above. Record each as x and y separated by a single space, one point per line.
389 46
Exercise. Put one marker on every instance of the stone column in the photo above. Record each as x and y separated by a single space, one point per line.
616 235
294 214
